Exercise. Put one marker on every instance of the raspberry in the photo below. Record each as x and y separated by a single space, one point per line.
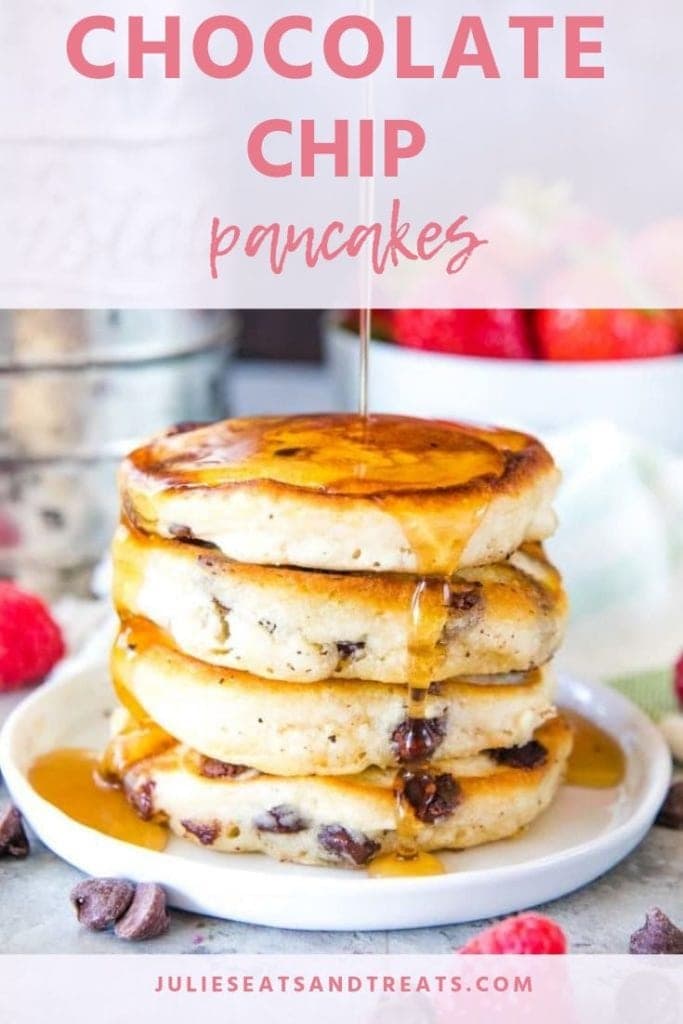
527 933
31 642
678 680
487 333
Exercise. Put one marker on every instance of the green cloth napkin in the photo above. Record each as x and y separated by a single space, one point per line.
652 691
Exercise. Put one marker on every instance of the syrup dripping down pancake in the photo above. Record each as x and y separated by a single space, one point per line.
332 727
306 625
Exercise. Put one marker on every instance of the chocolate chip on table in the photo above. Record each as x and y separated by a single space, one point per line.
100 902
213 769
13 839
282 820
147 916
658 935
416 739
671 811
351 847
206 832
432 797
530 755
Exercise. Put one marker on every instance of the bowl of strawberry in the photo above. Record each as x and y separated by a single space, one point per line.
541 369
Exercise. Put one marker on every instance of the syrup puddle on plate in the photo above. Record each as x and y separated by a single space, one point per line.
70 780
597 761
390 865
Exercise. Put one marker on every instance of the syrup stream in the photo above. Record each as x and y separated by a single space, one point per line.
364 327
367 209
407 859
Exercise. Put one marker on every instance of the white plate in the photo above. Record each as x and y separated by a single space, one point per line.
581 836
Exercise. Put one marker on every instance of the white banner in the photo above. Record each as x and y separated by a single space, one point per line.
367 990
521 154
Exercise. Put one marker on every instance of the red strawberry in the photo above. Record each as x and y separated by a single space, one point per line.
31 642
590 334
488 333
678 680
527 933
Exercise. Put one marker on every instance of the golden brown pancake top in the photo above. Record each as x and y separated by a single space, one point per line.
339 454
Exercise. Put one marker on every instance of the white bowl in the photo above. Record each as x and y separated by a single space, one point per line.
641 396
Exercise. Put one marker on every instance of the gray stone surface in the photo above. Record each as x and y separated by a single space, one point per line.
36 916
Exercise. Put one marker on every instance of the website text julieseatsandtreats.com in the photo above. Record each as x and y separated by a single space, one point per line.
343 983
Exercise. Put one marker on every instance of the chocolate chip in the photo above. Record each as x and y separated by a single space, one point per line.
100 902
658 935
432 797
13 839
465 605
180 532
289 453
141 797
532 755
349 650
464 598
351 847
213 769
283 819
206 832
671 812
416 739
147 916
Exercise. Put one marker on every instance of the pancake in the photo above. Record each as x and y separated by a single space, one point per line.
346 821
306 625
329 727
339 492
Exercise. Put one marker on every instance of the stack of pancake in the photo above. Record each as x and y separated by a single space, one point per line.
336 634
